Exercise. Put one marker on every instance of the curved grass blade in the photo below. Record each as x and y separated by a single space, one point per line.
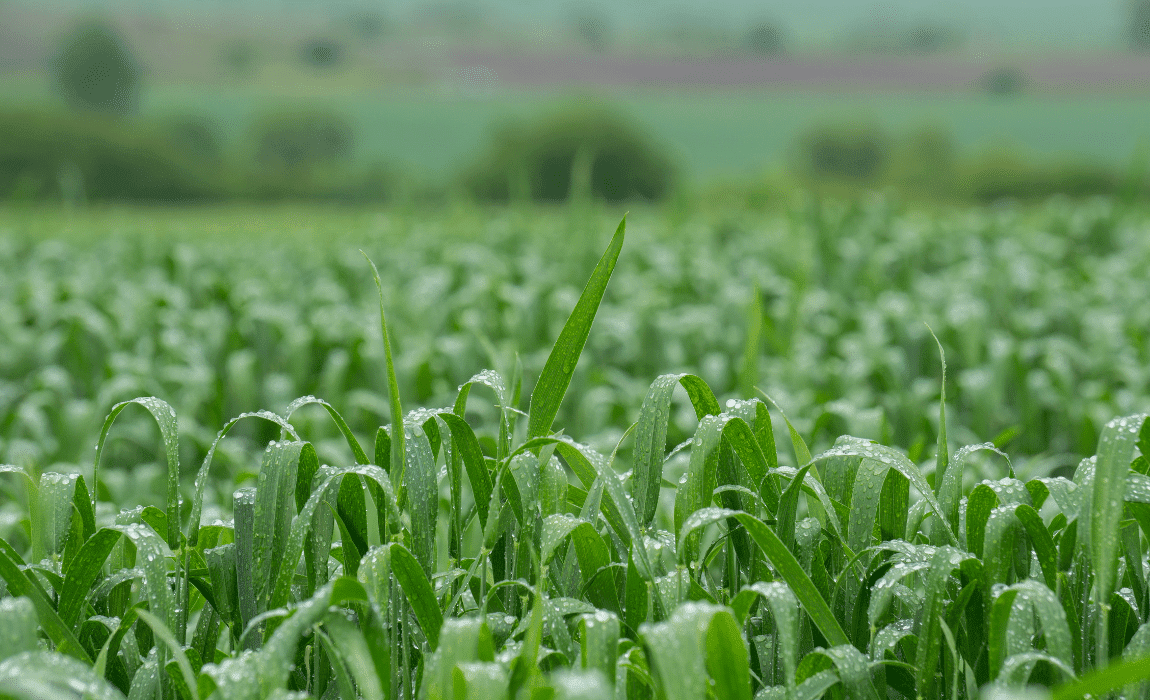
166 420
896 460
1041 541
560 365
205 466
35 675
1100 681
651 435
83 571
466 445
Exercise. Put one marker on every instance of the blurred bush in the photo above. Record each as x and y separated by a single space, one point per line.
308 154
322 52
239 56
1003 81
765 39
1006 174
857 153
95 69
556 155
924 163
1140 25
54 156
297 141
194 136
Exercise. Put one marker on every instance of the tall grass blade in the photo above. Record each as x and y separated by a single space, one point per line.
651 436
560 366
397 433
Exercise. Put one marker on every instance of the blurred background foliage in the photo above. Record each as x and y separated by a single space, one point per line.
492 100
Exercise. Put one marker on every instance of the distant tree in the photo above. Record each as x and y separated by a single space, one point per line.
193 136
367 24
1140 25
322 52
930 38
765 39
239 55
593 30
95 69
300 140
1003 81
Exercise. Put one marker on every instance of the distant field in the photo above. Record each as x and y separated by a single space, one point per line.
715 134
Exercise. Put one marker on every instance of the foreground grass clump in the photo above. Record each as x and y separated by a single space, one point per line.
429 569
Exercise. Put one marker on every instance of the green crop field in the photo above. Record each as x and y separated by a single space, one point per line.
834 449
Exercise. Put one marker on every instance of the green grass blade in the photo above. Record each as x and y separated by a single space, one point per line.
942 457
353 651
160 630
36 675
20 583
166 420
1100 681
419 592
781 558
18 627
697 490
802 452
1115 452
397 448
598 641
205 466
560 366
896 460
1041 541
727 659
467 446
930 639
423 497
83 572
651 436
273 512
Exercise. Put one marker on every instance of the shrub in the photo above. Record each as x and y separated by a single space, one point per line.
95 69
1140 25
617 159
239 56
765 39
302 140
322 52
1003 81
843 152
924 163
194 136
45 153
1005 174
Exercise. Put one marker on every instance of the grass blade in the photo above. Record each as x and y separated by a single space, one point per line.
420 594
651 436
560 366
397 449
